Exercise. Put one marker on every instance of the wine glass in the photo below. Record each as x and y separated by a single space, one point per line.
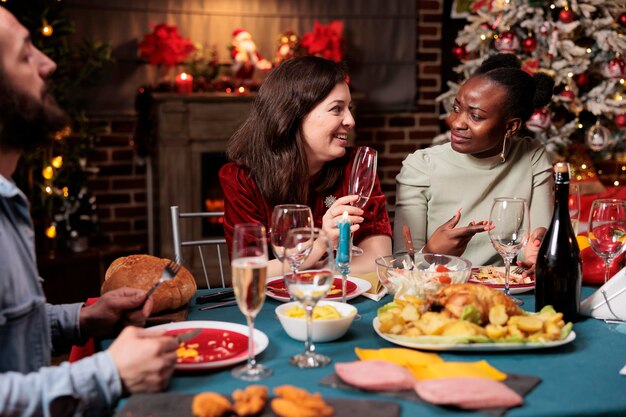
311 287
511 225
573 203
249 272
362 179
284 218
607 230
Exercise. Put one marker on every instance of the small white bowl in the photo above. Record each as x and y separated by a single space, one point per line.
323 330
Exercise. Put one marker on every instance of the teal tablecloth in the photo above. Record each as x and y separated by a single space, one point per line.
579 379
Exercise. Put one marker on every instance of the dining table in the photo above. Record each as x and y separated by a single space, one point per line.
580 378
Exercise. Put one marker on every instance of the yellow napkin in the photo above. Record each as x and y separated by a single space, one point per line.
399 356
430 365
480 369
376 291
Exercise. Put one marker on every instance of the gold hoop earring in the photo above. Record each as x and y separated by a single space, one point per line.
503 153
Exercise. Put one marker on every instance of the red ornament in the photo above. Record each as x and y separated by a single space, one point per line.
507 42
529 44
568 95
621 20
566 16
615 68
459 52
582 80
620 120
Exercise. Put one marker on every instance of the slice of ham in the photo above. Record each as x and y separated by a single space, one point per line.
468 393
375 375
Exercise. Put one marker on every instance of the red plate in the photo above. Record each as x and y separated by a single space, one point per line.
277 287
213 345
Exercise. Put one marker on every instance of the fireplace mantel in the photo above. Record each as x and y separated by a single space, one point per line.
187 126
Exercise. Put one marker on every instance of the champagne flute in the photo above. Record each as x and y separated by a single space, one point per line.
249 272
573 203
311 287
511 225
284 218
607 230
362 179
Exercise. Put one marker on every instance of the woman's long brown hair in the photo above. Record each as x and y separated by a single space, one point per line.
270 144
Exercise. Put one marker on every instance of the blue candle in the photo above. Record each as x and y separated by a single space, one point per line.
343 252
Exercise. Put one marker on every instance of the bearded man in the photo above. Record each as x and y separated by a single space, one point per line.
30 329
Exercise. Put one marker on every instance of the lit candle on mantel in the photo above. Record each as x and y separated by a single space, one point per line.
184 83
343 251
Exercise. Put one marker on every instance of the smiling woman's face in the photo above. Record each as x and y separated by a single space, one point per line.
478 121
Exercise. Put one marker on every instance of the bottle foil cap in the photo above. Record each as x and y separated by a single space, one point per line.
561 168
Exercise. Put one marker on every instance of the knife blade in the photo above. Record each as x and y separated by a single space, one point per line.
185 336
220 295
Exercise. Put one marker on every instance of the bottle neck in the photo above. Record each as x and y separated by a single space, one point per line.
561 193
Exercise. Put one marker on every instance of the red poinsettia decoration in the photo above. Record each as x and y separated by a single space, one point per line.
165 46
325 40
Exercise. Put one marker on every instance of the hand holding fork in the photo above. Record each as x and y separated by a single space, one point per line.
171 269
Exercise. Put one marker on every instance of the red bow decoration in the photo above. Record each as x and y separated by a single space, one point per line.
325 41
165 46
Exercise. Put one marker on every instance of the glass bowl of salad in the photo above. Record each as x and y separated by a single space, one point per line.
421 275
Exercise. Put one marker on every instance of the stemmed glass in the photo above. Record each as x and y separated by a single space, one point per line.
362 179
249 272
284 218
309 288
573 203
511 225
607 230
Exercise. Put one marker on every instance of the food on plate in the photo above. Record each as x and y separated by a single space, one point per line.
320 312
296 402
210 404
468 393
373 375
462 300
250 401
211 346
186 351
142 271
466 313
496 276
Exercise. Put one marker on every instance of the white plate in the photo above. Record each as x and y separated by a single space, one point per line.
485 347
361 287
260 341
513 288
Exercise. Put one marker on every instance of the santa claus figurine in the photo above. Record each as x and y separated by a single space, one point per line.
245 56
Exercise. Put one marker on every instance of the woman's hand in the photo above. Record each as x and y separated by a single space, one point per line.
531 249
335 212
451 240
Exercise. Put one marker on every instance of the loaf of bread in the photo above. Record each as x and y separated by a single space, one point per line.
142 271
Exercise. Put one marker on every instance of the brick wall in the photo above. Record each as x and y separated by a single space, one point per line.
120 186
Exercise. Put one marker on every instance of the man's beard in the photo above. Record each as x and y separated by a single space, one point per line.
26 123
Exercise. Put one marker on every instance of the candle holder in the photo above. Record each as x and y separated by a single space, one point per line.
344 252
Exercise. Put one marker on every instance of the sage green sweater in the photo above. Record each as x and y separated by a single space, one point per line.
434 182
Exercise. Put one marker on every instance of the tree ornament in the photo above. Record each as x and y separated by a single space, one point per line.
507 41
459 52
566 16
615 68
621 20
582 80
539 121
620 120
597 137
567 95
529 44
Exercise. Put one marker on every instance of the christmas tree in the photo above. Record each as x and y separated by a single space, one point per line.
55 177
581 44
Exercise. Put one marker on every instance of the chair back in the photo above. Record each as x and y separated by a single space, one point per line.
209 254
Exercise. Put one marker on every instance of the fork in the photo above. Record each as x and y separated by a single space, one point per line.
518 270
171 269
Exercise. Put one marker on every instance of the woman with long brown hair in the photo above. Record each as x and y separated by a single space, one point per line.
292 148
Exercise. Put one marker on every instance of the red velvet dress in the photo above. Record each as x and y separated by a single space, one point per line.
243 203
